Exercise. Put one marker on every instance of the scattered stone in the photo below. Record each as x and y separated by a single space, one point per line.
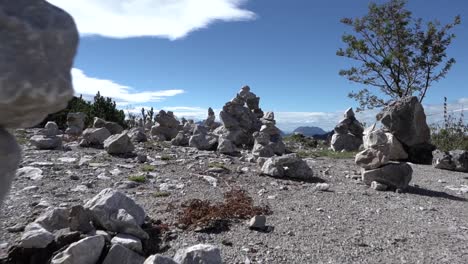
289 166
35 236
31 173
202 254
87 250
258 222
322 187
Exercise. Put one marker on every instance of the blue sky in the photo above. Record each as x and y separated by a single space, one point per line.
188 55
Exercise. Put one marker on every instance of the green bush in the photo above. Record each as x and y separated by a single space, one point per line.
101 107
452 134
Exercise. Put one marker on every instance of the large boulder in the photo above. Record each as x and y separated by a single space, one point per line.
373 158
225 146
397 151
122 255
118 144
116 212
54 219
406 120
396 175
137 134
289 166
346 142
10 156
46 143
35 236
455 160
112 127
39 42
199 254
181 140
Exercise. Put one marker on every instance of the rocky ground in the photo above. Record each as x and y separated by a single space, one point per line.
349 223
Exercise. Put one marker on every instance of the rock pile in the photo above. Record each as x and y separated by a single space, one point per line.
71 236
268 141
47 139
455 160
348 133
75 123
240 118
35 35
406 121
377 170
210 120
167 126
202 139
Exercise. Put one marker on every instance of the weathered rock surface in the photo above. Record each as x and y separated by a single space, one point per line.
46 142
39 42
35 236
455 160
87 250
159 259
167 127
128 241
94 137
118 144
346 142
75 123
180 140
54 219
112 127
118 213
137 134
122 255
199 254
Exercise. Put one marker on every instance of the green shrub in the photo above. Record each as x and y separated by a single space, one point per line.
161 194
452 133
137 178
148 168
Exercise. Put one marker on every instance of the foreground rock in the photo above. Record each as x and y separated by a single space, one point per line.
199 254
348 133
289 166
47 139
406 120
87 250
122 255
10 156
117 213
39 42
396 175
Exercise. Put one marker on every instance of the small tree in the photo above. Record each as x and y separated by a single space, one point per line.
397 54
151 114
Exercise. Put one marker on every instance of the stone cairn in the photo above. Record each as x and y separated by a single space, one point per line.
109 228
210 121
75 124
406 121
167 126
47 138
348 133
35 35
268 141
377 170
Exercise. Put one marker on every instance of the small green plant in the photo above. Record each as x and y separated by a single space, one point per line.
326 153
147 168
161 194
21 137
166 157
137 178
452 134
217 165
306 141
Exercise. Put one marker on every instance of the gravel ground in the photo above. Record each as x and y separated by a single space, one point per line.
350 223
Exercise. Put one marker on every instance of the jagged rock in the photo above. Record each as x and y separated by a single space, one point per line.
258 222
75 123
373 158
122 255
118 144
199 254
116 212
397 152
94 137
203 142
39 42
80 219
35 236
180 140
137 134
349 113
396 175
406 120
376 138
290 166
128 241
210 120
225 146
159 259
10 156
161 133
54 219
347 142
45 142
87 250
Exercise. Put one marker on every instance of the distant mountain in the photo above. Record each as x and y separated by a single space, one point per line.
309 131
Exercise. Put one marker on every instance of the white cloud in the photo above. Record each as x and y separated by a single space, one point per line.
123 95
171 19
